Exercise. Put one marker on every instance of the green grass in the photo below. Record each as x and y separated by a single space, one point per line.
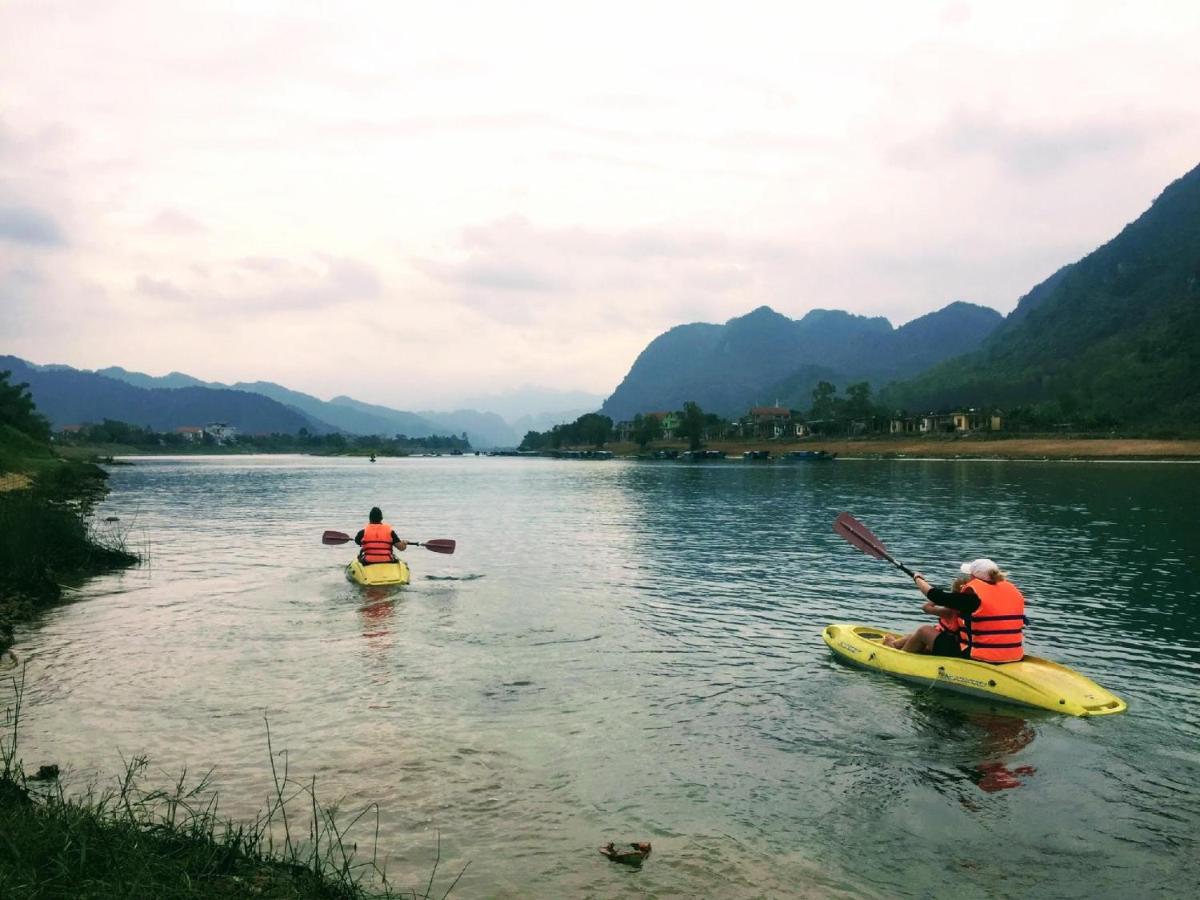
127 841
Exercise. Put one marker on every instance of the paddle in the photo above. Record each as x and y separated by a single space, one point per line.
437 545
861 537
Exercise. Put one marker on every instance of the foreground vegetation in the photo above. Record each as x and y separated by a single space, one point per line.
130 841
46 534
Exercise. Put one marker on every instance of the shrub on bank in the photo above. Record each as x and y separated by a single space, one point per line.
46 539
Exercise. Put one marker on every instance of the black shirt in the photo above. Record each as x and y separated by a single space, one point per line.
966 602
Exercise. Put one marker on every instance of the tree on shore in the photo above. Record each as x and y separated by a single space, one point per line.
692 426
18 411
646 430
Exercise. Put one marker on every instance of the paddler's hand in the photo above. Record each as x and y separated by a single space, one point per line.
922 585
401 545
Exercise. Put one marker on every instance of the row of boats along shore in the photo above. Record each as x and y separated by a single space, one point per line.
681 455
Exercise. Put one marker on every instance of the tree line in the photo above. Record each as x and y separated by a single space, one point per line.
828 414
111 431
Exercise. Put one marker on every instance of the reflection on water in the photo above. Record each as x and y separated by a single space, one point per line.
632 652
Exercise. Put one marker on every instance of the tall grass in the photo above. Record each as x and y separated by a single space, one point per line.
126 840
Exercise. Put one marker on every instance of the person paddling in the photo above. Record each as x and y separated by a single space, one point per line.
377 540
941 639
991 617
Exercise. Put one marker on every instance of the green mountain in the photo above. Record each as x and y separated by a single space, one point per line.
1111 338
763 357
68 396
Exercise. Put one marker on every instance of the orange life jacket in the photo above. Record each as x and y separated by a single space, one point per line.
952 623
993 632
377 543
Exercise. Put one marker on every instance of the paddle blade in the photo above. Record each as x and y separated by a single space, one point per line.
860 536
334 537
440 545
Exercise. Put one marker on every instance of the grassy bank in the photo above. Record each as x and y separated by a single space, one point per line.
129 841
46 537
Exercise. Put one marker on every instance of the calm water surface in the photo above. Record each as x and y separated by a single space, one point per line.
632 651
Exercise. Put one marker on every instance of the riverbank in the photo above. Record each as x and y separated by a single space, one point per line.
965 447
46 537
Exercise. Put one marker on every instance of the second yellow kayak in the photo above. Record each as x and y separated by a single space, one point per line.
1032 682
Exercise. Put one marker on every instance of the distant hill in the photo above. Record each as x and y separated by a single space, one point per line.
68 396
1113 336
763 357
347 414
170 380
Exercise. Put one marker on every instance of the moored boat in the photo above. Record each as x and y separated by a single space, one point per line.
811 455
1033 681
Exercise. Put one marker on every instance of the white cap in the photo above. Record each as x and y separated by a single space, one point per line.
983 569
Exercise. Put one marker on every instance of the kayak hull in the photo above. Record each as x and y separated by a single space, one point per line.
378 574
1032 682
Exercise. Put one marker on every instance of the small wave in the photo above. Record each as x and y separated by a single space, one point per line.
453 577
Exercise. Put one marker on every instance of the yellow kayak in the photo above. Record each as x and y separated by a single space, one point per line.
378 573
1031 682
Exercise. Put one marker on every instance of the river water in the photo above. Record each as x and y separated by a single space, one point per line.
632 651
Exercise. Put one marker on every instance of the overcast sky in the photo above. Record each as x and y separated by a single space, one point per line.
417 202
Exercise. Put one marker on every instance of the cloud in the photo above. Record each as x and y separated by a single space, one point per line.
512 269
161 289
173 223
24 225
1032 148
252 286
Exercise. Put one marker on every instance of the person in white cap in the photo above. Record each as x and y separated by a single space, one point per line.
991 617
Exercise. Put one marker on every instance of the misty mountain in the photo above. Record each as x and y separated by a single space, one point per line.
68 396
764 358
528 404
484 430
1112 336
137 379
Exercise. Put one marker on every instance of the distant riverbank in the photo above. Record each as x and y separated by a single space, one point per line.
885 447
970 447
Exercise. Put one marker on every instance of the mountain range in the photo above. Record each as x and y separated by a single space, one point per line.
67 396
1112 337
764 358
1109 339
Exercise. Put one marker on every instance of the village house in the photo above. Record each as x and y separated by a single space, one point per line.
190 432
960 422
768 422
221 432
669 422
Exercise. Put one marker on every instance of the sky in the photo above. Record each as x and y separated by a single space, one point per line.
416 203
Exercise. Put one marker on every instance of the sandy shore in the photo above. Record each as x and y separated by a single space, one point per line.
13 481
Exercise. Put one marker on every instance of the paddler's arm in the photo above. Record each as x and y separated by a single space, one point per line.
964 602
358 537
397 543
